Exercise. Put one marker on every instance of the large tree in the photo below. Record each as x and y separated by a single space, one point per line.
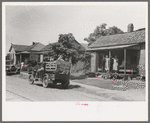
68 47
102 31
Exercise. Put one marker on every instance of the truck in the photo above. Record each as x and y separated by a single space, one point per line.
53 72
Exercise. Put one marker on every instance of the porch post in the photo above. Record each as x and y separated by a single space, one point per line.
109 59
30 56
93 62
125 62
20 58
97 62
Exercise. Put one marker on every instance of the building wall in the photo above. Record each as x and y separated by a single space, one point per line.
142 60
94 62
17 58
35 57
41 58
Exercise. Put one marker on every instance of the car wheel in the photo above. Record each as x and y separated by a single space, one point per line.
65 84
31 79
45 82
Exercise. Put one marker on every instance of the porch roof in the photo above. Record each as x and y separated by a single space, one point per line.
111 47
25 52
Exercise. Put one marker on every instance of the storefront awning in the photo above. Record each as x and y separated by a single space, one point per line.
113 47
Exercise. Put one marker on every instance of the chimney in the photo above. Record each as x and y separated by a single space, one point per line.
33 43
130 27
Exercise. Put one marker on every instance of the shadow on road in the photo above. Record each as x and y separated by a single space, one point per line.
73 86
11 74
58 86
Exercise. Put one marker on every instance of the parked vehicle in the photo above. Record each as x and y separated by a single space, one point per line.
11 69
53 72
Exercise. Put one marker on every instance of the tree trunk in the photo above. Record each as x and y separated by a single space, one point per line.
70 60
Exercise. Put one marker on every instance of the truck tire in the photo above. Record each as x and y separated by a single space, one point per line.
45 82
65 84
31 79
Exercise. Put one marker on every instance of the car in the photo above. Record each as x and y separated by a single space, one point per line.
53 72
11 68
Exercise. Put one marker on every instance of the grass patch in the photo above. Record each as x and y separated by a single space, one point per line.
72 77
78 75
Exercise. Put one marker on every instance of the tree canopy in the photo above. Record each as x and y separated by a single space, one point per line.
102 31
68 47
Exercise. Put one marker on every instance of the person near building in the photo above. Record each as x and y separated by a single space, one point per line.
115 64
106 63
22 63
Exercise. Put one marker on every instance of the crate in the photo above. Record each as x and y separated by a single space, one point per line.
50 66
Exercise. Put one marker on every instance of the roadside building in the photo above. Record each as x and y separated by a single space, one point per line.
14 52
129 47
47 52
19 53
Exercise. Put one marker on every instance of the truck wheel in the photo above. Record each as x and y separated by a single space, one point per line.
31 79
45 82
65 84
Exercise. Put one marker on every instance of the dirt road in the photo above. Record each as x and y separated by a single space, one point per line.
18 89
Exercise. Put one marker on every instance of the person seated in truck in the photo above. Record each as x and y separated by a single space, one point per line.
51 58
40 69
60 58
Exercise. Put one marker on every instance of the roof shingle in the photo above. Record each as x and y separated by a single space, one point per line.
48 47
119 39
35 47
19 48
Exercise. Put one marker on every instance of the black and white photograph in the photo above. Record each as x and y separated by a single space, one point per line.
75 61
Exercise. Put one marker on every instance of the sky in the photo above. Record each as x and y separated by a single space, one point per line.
25 24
